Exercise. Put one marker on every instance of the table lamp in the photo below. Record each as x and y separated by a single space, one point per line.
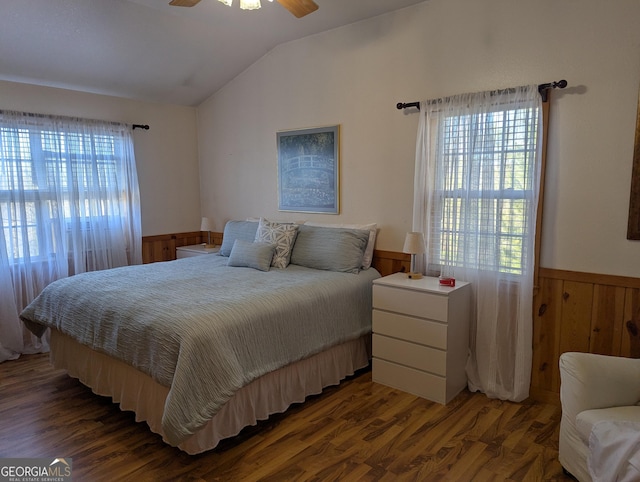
207 225
413 244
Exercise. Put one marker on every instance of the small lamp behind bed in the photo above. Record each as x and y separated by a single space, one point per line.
207 225
413 244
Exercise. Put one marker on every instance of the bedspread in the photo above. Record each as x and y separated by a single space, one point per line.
202 328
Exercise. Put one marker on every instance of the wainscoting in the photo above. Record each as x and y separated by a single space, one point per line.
583 312
163 247
572 311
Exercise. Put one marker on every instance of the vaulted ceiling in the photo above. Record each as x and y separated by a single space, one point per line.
148 50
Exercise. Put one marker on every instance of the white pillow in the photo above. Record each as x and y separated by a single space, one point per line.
371 227
282 235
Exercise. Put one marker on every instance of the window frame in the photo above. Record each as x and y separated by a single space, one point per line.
437 257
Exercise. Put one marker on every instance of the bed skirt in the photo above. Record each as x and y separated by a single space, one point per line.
272 393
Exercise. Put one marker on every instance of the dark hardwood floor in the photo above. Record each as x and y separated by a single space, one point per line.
357 431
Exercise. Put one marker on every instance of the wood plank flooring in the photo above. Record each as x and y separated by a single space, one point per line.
359 431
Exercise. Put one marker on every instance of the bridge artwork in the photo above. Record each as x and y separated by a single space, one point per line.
308 172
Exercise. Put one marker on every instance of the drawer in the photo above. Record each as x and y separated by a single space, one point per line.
425 385
410 354
425 332
409 302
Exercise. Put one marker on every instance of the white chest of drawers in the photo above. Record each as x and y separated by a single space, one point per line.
421 336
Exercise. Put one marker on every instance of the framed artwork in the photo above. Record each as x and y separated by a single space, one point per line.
633 228
309 170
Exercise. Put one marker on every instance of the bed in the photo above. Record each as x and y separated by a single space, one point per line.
202 347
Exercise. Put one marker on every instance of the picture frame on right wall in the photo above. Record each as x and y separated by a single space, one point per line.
633 228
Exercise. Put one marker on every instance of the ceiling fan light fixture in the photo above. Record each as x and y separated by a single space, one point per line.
227 2
250 4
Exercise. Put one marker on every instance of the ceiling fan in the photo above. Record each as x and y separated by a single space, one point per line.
299 8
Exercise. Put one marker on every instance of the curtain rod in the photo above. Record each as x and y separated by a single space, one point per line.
542 88
140 126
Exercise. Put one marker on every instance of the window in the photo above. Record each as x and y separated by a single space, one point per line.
484 187
69 203
62 189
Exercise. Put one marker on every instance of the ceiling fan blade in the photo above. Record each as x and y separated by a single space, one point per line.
299 8
184 3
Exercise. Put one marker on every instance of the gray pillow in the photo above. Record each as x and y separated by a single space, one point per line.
244 230
332 249
251 255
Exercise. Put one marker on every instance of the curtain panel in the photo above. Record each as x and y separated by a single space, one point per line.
477 178
69 203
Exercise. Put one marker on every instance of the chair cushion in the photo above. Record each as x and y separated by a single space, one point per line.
585 421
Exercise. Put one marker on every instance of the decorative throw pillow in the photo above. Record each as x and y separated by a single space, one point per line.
244 230
251 255
282 235
332 249
373 231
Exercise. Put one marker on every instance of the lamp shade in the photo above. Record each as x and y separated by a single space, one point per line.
249 4
414 243
206 225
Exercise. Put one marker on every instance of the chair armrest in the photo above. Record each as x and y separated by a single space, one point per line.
589 381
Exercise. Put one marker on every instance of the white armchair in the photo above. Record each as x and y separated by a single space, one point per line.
600 425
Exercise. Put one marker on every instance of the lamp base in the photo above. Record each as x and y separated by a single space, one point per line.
208 246
412 275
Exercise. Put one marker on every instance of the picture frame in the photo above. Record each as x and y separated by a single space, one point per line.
309 170
633 227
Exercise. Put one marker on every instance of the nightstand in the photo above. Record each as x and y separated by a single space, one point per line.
421 336
194 250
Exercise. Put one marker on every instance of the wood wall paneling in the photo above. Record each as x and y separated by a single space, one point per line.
389 262
577 300
163 247
630 343
607 319
546 335
575 311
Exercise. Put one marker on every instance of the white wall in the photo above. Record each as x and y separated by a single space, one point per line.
354 76
166 154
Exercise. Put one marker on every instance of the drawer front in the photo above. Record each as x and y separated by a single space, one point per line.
425 385
410 354
409 302
417 330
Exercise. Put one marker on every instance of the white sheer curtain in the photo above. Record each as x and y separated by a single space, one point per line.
476 190
69 203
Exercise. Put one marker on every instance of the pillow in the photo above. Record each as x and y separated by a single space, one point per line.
244 230
283 235
251 255
372 228
332 249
